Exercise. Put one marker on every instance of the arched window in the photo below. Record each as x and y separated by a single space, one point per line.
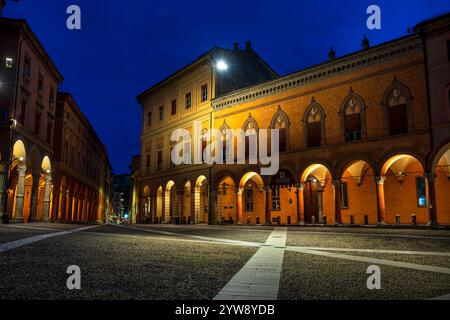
204 135
281 122
251 139
353 117
397 105
226 140
314 125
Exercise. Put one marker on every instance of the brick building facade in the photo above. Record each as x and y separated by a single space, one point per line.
364 139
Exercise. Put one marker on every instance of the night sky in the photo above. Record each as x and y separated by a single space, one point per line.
126 46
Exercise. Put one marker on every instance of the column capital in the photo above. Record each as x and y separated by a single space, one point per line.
379 180
430 176
266 188
21 170
239 190
299 186
336 183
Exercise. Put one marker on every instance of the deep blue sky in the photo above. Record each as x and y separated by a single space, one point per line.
126 46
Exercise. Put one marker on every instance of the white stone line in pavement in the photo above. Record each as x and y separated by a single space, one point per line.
22 242
373 234
230 241
27 227
259 278
444 297
177 239
405 252
391 263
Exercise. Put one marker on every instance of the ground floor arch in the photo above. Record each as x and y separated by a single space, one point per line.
440 183
402 191
318 188
226 200
358 193
159 205
201 200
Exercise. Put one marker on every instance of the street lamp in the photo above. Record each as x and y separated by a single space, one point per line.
221 65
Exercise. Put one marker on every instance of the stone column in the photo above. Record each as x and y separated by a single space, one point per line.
3 193
320 190
69 216
18 213
268 216
46 204
57 198
239 205
381 207
337 201
300 204
212 206
193 213
432 210
34 196
63 206
179 206
75 208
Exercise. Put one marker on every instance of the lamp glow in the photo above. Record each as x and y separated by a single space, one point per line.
221 65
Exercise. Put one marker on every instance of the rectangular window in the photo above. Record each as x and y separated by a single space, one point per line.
174 107
147 162
66 153
188 100
27 70
37 122
276 198
448 50
314 134
352 127
248 199
161 113
282 140
159 168
171 164
51 98
204 93
421 192
41 83
149 119
49 131
398 121
23 111
344 195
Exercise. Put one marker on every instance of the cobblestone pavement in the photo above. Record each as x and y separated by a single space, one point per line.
198 261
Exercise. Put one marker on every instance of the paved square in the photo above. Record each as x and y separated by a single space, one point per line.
221 262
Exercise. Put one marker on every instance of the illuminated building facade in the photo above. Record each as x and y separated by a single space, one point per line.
37 182
364 138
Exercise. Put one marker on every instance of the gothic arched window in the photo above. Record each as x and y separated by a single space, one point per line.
251 139
397 105
226 141
314 125
281 122
353 117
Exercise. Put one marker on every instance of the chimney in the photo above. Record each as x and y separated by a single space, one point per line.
331 54
236 46
2 5
248 45
365 43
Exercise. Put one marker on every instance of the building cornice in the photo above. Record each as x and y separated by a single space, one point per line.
385 52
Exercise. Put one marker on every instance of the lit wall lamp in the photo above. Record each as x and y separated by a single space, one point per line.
9 62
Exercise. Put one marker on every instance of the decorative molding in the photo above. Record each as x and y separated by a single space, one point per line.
373 56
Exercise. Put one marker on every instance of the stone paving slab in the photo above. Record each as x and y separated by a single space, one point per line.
260 277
